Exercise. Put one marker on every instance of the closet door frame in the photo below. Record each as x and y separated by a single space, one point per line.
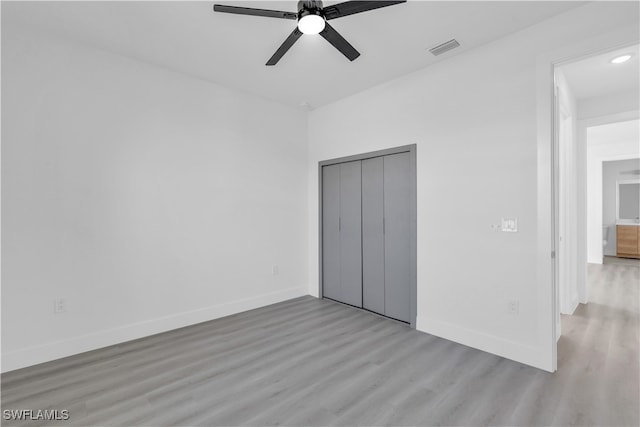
411 149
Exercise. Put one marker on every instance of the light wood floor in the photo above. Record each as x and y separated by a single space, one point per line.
312 362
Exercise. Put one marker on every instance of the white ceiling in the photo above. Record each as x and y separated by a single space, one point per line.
614 133
231 49
597 76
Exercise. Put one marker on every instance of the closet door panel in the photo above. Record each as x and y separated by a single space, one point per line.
351 233
397 247
372 235
330 232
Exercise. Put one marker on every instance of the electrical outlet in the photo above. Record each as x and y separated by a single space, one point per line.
59 305
275 270
513 307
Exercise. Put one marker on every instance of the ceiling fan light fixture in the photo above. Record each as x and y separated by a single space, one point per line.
312 18
311 24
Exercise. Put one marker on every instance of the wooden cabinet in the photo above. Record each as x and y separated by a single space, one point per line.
628 241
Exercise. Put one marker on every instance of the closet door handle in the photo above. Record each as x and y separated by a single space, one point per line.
339 223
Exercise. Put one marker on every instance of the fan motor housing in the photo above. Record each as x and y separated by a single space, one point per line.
309 7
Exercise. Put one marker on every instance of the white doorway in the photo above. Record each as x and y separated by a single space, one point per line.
611 141
589 93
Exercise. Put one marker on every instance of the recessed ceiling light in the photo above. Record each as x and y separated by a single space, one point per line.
620 59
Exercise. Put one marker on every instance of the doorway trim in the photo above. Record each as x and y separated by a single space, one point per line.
413 212
547 176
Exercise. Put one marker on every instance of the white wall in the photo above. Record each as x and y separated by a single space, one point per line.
473 118
612 172
148 199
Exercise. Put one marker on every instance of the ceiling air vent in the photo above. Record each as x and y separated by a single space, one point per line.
444 47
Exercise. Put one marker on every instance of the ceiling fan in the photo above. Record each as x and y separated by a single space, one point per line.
312 19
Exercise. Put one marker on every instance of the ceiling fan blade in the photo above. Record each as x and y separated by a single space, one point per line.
293 37
254 12
332 36
350 7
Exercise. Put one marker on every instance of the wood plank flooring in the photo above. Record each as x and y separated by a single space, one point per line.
312 362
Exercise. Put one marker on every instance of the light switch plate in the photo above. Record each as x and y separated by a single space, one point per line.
510 225
59 305
513 307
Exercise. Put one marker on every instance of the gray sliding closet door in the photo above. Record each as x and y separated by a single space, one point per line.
330 231
397 246
368 232
342 233
351 233
372 235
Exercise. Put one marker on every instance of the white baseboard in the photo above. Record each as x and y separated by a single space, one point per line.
574 305
594 260
571 307
56 350
490 343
